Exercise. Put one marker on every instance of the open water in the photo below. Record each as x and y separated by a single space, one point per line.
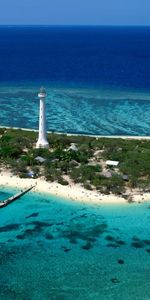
97 78
56 249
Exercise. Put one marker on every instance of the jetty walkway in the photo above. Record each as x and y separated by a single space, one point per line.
15 197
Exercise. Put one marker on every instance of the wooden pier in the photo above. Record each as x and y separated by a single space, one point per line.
15 197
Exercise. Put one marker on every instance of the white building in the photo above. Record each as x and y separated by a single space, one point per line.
42 139
112 163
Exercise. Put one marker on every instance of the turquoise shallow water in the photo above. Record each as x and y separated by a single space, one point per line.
52 248
103 111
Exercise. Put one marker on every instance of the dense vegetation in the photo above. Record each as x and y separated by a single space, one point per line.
85 165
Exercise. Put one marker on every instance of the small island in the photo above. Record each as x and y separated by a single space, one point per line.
78 167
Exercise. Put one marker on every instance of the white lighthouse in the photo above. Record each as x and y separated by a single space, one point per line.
42 139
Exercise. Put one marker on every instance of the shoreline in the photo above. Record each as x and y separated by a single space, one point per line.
73 192
132 137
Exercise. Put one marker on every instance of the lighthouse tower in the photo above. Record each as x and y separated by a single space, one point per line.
42 140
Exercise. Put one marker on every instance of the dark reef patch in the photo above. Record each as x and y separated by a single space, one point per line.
87 246
84 216
146 242
109 238
138 244
49 236
79 232
148 250
115 241
9 227
120 242
38 227
20 237
67 249
40 224
98 229
32 215
26 234
120 261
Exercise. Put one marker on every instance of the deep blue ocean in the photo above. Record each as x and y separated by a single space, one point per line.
97 78
76 56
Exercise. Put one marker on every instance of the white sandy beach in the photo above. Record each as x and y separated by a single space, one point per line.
72 191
